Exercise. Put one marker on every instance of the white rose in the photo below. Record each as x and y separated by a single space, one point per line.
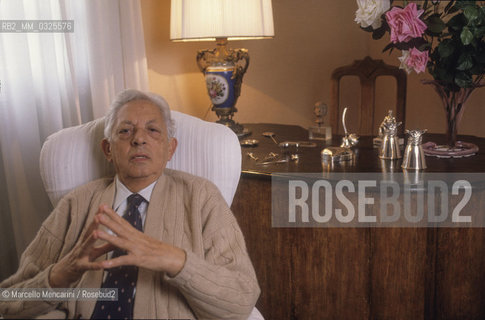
370 12
403 59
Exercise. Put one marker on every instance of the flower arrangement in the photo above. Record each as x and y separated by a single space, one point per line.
446 38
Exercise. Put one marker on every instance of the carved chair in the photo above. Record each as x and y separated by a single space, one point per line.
367 70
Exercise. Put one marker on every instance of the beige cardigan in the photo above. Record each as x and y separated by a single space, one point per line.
217 281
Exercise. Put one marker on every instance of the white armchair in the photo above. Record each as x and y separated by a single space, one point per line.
73 157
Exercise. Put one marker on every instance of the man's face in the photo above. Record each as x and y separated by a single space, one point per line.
139 148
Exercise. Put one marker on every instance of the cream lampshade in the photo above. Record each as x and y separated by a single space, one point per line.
224 68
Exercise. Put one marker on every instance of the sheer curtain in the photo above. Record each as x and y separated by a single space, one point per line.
49 81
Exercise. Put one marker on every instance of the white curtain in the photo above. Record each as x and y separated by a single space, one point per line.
50 81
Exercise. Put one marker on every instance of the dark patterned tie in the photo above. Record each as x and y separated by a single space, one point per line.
123 278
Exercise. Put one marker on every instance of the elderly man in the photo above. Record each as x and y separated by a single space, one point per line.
165 239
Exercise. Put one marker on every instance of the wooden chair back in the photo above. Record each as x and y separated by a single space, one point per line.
367 70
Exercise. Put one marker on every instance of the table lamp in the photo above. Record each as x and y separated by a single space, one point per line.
224 68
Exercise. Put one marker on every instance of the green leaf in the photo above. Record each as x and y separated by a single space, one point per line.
452 10
424 47
457 22
379 33
435 24
479 32
425 5
471 12
446 48
449 5
481 17
443 75
465 62
463 80
463 4
477 69
466 36
389 46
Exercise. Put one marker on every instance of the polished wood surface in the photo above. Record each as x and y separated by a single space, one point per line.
367 70
366 159
358 273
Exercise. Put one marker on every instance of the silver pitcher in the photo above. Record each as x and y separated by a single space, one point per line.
413 155
389 148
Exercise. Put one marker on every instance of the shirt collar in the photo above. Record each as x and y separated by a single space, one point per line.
122 192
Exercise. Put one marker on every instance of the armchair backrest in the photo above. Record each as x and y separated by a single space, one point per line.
72 156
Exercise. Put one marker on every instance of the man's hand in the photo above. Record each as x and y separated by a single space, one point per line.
81 258
142 250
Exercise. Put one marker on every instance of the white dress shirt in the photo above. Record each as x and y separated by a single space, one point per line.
121 199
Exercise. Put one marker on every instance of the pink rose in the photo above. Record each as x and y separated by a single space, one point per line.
405 23
414 60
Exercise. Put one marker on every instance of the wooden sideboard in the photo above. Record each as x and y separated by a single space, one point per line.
357 273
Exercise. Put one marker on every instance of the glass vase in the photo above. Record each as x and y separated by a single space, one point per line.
454 105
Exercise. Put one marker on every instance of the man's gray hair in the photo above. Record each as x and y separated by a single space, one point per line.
133 95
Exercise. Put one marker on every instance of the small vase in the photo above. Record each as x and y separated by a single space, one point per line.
454 105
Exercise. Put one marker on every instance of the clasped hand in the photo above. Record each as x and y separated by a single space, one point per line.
142 251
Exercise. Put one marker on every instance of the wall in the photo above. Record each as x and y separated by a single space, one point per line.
289 73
